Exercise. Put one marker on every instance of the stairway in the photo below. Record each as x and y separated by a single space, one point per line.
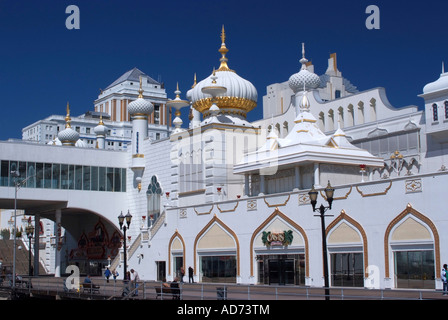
22 256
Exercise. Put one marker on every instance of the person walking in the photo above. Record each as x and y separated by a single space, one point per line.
115 275
134 280
190 275
444 280
182 274
107 274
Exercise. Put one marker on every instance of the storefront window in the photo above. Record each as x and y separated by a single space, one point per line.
347 269
218 269
414 269
281 269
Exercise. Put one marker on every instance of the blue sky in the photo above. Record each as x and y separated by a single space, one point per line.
43 64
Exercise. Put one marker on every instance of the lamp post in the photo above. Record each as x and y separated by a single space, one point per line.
17 185
121 219
29 232
329 192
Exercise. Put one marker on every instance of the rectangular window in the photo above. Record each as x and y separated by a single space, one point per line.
414 269
56 178
347 269
435 116
30 175
4 173
71 177
39 175
102 179
78 178
446 109
123 180
86 178
117 179
218 269
94 178
110 179
64 176
47 175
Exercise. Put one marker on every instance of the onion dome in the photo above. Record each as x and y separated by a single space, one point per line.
240 97
68 136
140 106
100 129
304 78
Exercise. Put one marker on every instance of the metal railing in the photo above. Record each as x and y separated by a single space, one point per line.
152 290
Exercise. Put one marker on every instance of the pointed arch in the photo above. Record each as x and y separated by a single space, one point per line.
216 220
278 213
176 235
343 216
401 217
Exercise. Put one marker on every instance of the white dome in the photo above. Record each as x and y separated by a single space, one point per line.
68 136
100 130
241 94
439 84
304 78
140 106
240 97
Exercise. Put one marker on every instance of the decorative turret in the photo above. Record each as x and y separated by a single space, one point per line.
240 97
304 79
177 104
100 131
139 110
68 136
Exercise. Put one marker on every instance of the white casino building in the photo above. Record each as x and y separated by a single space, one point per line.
230 198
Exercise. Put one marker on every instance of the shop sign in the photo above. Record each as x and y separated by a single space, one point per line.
277 238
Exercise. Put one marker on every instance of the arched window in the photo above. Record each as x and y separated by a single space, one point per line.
154 194
446 109
435 116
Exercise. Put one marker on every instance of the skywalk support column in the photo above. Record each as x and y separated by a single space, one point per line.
58 232
36 244
316 175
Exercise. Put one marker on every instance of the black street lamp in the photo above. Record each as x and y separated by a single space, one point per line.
329 192
29 232
121 219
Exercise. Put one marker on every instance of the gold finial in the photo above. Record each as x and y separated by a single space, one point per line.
223 35
223 50
68 120
140 91
194 81
177 92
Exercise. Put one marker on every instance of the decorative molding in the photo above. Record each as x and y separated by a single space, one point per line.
204 212
355 224
216 220
183 213
228 207
337 198
411 211
374 193
304 198
252 205
174 236
278 213
279 200
413 185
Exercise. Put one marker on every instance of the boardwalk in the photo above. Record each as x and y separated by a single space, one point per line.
53 288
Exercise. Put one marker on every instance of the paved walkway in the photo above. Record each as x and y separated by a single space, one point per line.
54 287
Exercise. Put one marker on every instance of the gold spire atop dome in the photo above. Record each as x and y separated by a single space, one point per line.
223 50
194 81
68 120
140 91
